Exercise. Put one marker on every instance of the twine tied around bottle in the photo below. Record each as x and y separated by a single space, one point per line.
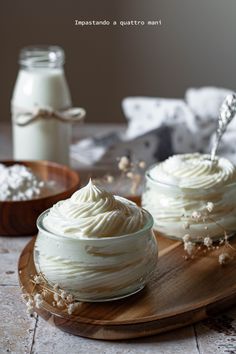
23 117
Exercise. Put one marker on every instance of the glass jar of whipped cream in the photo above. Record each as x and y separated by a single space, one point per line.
41 106
97 246
191 195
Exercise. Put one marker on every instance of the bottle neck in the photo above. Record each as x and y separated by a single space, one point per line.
42 57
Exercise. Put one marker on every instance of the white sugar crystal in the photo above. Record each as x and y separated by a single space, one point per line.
18 182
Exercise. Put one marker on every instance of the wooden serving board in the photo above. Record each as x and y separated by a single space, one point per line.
181 292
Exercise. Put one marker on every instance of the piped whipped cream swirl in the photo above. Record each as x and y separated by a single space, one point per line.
94 212
194 171
187 183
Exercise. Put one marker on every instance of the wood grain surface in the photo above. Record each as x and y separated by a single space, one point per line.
181 292
19 217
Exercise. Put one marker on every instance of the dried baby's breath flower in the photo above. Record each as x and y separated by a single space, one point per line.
130 175
38 304
186 238
30 302
72 307
30 306
224 258
210 206
60 303
38 297
56 297
110 178
44 292
30 310
38 300
70 298
207 241
196 215
124 163
142 164
61 298
136 180
189 247
128 169
63 295
38 279
131 170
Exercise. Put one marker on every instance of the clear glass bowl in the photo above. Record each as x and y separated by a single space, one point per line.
172 208
97 269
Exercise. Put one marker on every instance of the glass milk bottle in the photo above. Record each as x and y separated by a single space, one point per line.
41 106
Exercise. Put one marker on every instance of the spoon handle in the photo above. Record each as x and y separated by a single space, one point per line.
227 113
215 146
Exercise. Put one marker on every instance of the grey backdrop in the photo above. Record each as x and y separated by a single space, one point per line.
195 46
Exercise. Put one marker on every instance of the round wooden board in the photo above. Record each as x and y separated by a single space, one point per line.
181 292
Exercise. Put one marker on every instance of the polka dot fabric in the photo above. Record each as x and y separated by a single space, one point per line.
160 127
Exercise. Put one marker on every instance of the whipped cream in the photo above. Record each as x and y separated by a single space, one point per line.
185 183
78 245
194 171
94 212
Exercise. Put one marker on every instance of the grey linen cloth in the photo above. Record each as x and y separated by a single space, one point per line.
160 127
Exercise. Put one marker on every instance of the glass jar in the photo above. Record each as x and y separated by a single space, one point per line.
97 269
40 92
181 211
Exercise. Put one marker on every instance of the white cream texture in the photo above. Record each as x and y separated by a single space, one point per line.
194 171
186 184
94 212
84 256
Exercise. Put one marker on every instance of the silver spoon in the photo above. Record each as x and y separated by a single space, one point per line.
227 113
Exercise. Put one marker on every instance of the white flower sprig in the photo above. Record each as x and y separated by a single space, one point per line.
129 169
206 244
41 292
132 170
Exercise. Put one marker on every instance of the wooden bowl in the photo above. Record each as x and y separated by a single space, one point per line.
18 218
